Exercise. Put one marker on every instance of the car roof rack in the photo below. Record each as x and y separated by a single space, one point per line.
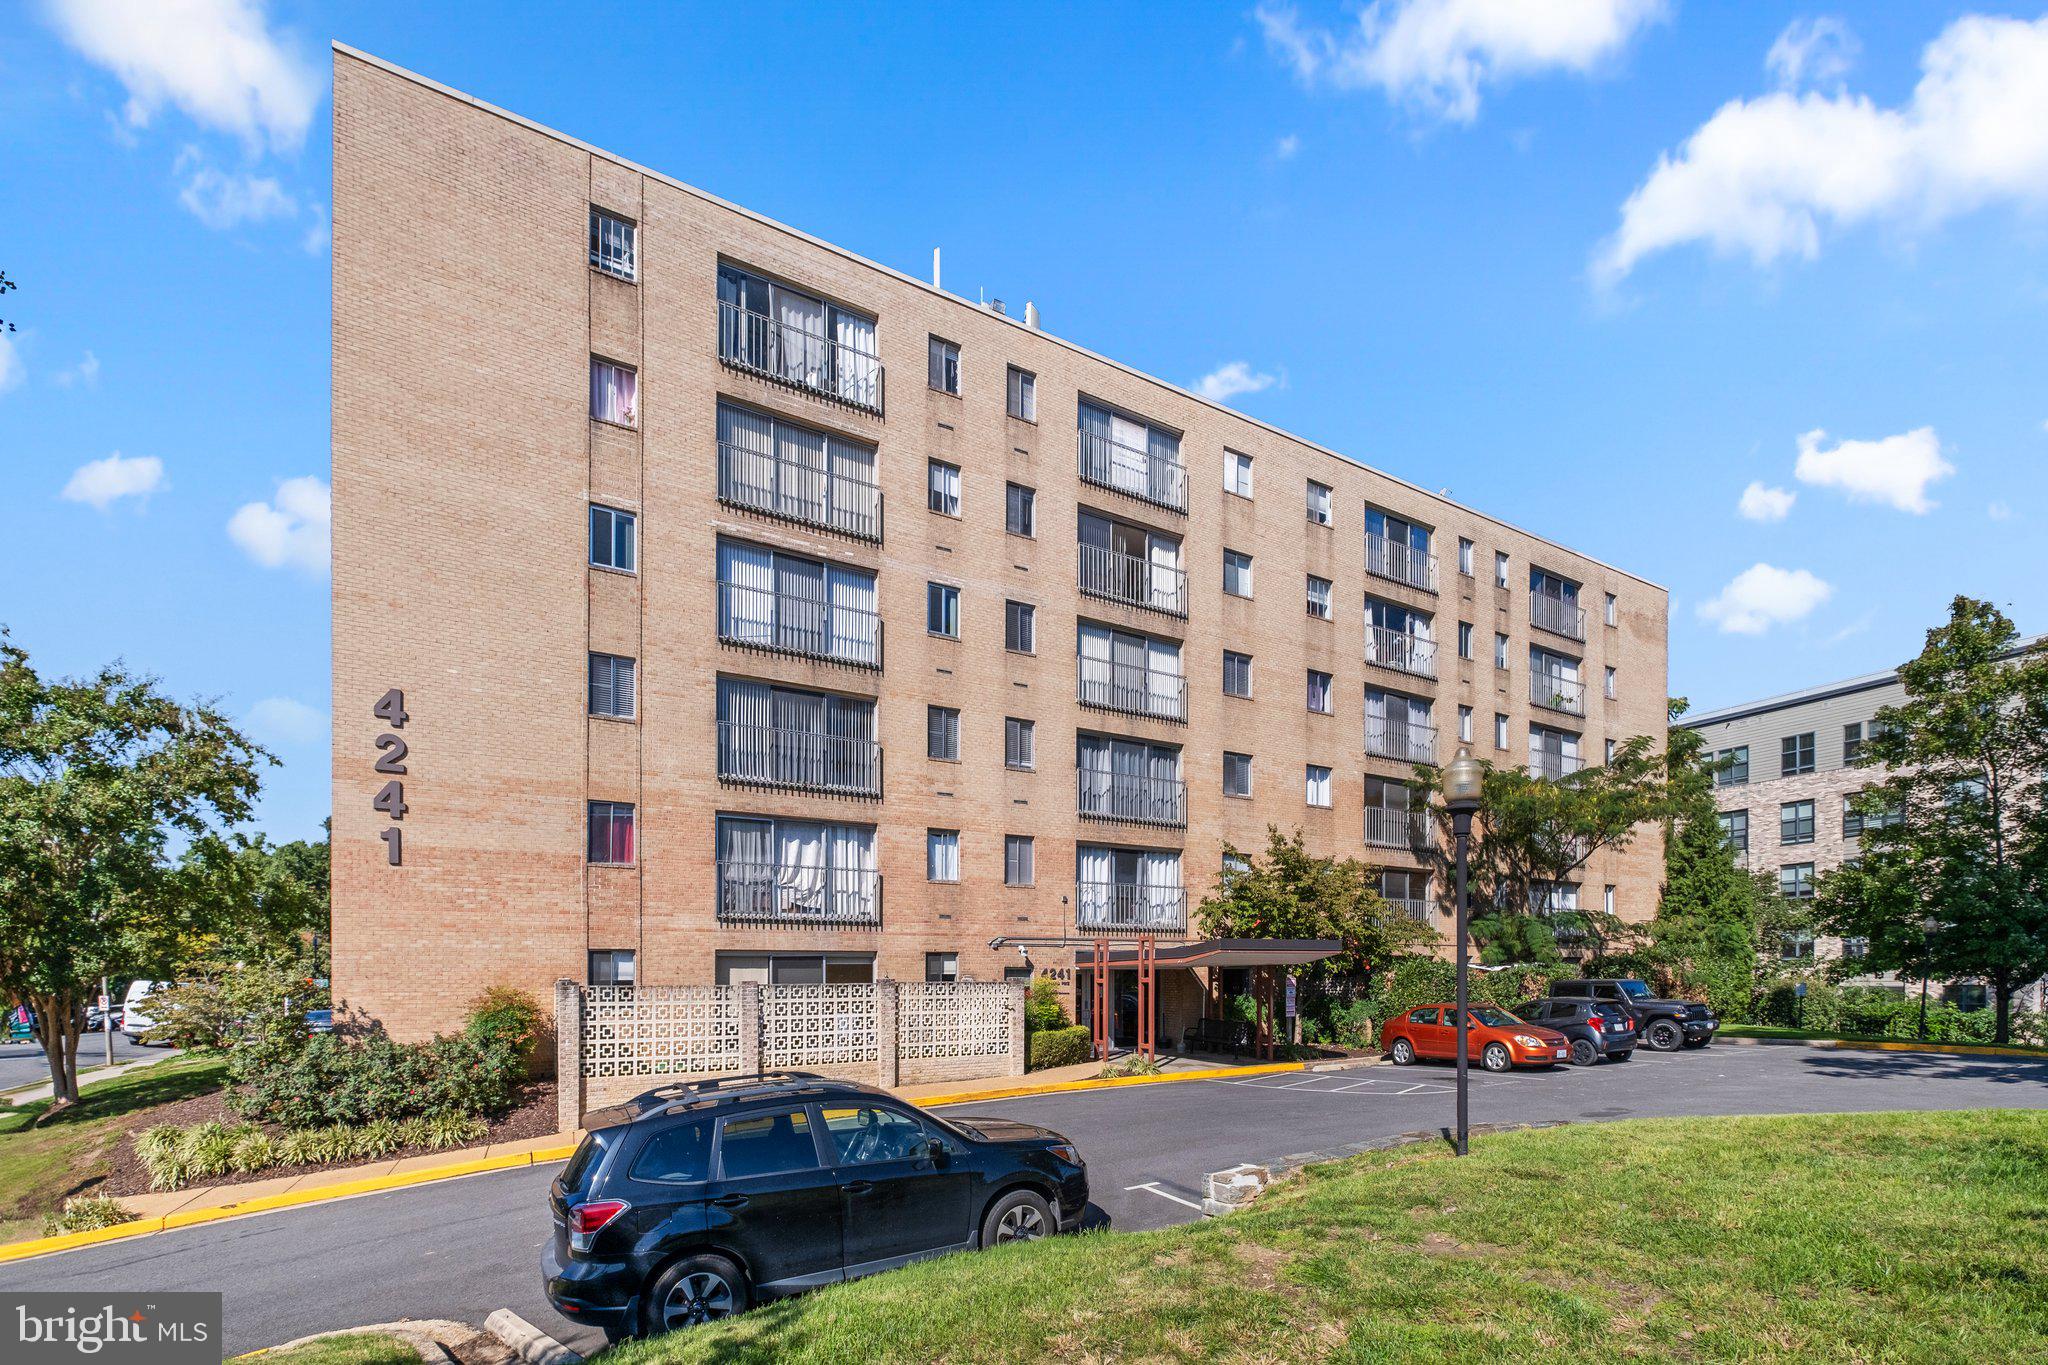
711 1084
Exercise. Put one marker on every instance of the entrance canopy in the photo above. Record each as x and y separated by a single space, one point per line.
1224 952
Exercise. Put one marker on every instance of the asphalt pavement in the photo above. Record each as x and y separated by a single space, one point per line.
462 1248
24 1064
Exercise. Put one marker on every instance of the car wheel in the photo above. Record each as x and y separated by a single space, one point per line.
1403 1052
1663 1036
1019 1216
1621 1056
696 1289
1496 1057
1583 1052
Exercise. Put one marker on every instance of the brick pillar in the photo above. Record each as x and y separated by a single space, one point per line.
1018 1059
888 1040
750 1027
568 1056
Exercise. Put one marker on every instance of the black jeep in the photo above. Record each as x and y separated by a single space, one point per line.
1665 1025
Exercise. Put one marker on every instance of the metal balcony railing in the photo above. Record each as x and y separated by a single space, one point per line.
769 893
1401 651
1400 562
1413 907
790 355
1557 616
765 481
806 760
1138 582
1126 907
762 618
1392 827
1159 479
1556 692
1554 766
1400 740
1132 798
1131 688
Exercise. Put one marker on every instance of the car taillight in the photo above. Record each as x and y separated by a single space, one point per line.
587 1220
1594 1020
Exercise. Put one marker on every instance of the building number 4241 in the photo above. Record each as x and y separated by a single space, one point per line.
390 798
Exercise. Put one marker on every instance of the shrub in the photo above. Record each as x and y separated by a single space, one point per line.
506 1017
86 1214
1043 1008
332 1079
449 1130
1350 1025
1132 1064
255 1150
1061 1047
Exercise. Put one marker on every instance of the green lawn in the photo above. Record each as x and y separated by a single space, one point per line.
1901 1237
356 1348
40 1167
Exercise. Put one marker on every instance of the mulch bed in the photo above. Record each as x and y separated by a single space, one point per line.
534 1116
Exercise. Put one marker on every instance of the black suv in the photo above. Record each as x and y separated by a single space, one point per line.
1596 1029
694 1201
1665 1025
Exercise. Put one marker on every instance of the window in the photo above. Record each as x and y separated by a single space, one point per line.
1237 473
1795 822
942 488
785 737
769 600
614 392
680 1155
611 686
1237 674
1397 548
1736 773
1853 948
1237 774
1464 639
1318 786
1500 650
1020 743
1607 901
1020 510
938 967
1852 819
1131 455
612 538
1237 573
1023 387
942 367
766 1144
1319 597
1795 754
1795 945
1234 863
1607 751
1464 556
1122 671
1613 611
798 339
1855 735
1500 732
1319 691
1795 880
611 967
1319 503
1020 627
1465 724
611 832
942 855
1734 829
1019 860
1500 570
1608 685
611 244
942 733
942 610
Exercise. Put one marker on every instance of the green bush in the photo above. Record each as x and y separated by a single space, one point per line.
1413 981
1061 1047
86 1215
1351 1025
332 1079
505 1016
1134 1065
1043 1008
175 1157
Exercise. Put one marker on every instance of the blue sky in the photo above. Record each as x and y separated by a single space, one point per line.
1747 299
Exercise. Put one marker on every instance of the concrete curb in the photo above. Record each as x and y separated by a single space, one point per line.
428 1336
1877 1045
528 1342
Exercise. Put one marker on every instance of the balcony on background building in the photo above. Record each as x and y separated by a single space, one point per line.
768 482
1134 581
1401 651
1131 798
803 760
768 893
1400 562
788 354
1414 907
1154 476
1126 908
1392 827
1557 616
1400 740
1556 692
1553 767
1131 688
762 618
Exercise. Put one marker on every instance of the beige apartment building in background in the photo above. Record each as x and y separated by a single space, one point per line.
714 605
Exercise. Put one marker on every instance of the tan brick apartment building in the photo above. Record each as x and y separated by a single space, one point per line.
762 613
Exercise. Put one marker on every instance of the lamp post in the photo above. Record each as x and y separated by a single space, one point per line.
1463 781
1927 928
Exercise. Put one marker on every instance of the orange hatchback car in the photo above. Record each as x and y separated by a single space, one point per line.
1499 1041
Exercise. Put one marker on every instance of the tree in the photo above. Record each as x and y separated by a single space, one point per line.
98 776
277 900
1955 835
1290 893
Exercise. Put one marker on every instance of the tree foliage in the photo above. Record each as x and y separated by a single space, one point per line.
1289 893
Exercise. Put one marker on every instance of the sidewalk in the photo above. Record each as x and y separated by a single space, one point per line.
29 1094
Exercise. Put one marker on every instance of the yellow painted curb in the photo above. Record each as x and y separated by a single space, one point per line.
1108 1083
37 1246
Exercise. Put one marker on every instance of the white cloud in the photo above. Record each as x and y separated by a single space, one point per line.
1816 51
1762 596
1436 54
1226 382
86 371
1287 146
282 721
1762 177
1999 511
223 199
215 59
1894 471
11 370
293 530
102 482
1760 503
320 235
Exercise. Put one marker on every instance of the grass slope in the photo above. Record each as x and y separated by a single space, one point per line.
1831 1237
355 1348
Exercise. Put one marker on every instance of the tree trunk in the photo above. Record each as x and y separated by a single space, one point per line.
57 1031
2001 990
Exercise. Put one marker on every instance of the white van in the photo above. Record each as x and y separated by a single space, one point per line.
135 1020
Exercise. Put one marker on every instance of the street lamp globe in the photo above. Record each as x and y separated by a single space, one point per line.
1464 779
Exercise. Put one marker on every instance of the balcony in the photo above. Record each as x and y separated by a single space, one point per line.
801 760
1413 907
1136 582
1400 651
1131 798
1553 767
1159 479
1555 692
1400 740
1131 688
787 354
1127 908
767 482
1392 827
809 627
1400 562
1557 616
768 893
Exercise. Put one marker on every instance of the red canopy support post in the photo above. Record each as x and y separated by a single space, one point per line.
1099 1017
1148 987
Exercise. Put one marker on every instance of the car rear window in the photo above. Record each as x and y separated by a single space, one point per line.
583 1162
681 1153
766 1144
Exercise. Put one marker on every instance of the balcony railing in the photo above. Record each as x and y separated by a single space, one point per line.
1400 740
1392 827
1399 650
1138 582
1554 766
1132 798
1401 562
1557 616
1556 692
790 355
765 481
762 618
807 760
1159 479
769 893
1414 907
1131 688
1126 907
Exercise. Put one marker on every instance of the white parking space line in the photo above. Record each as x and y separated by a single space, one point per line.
1152 1187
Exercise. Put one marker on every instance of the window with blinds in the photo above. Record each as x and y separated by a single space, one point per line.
612 691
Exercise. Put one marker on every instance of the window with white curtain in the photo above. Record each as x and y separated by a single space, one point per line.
788 737
771 600
1318 784
614 392
942 855
943 488
612 688
1128 672
1130 454
798 338
1500 570
1500 651
796 870
766 464
611 967
1465 724
1464 556
1319 690
1237 473
1500 731
1319 598
1609 684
